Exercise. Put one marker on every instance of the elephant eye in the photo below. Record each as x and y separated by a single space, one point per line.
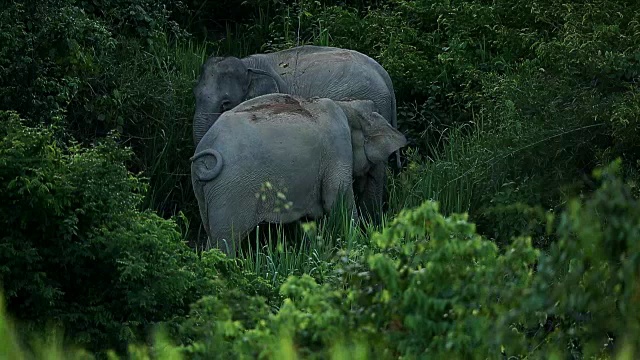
226 105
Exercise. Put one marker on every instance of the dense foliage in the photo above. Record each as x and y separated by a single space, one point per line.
511 231
76 250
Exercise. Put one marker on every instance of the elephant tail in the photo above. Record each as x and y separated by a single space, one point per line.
209 168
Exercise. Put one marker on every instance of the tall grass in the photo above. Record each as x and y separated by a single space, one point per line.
276 252
444 178
169 147
158 107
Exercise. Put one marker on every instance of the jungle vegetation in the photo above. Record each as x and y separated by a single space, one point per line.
512 231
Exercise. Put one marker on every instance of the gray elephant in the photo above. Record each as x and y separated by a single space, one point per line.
308 149
307 71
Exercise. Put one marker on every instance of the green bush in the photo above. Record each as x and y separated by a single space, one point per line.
153 116
145 20
76 250
583 300
75 63
53 50
47 51
428 285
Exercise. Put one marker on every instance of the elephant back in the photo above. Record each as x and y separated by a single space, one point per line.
271 107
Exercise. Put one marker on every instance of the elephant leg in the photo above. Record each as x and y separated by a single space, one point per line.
359 185
334 186
371 194
227 230
351 201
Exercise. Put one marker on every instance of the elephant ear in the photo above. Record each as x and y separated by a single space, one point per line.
380 139
206 164
354 111
261 82
372 137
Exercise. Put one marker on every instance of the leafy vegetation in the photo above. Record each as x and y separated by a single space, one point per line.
512 230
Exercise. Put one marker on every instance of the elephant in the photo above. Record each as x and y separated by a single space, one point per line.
309 150
307 71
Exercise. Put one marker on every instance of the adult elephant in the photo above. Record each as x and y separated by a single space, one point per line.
306 71
250 146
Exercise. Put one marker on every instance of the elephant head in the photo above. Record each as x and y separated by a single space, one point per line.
372 137
223 84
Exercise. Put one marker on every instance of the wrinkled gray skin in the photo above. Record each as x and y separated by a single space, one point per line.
308 149
308 71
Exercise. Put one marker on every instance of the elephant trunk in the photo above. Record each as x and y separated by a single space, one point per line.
210 167
201 123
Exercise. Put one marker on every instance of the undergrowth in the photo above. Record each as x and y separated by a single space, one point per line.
499 239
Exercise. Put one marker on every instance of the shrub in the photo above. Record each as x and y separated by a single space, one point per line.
583 300
76 250
429 285
73 62
47 50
